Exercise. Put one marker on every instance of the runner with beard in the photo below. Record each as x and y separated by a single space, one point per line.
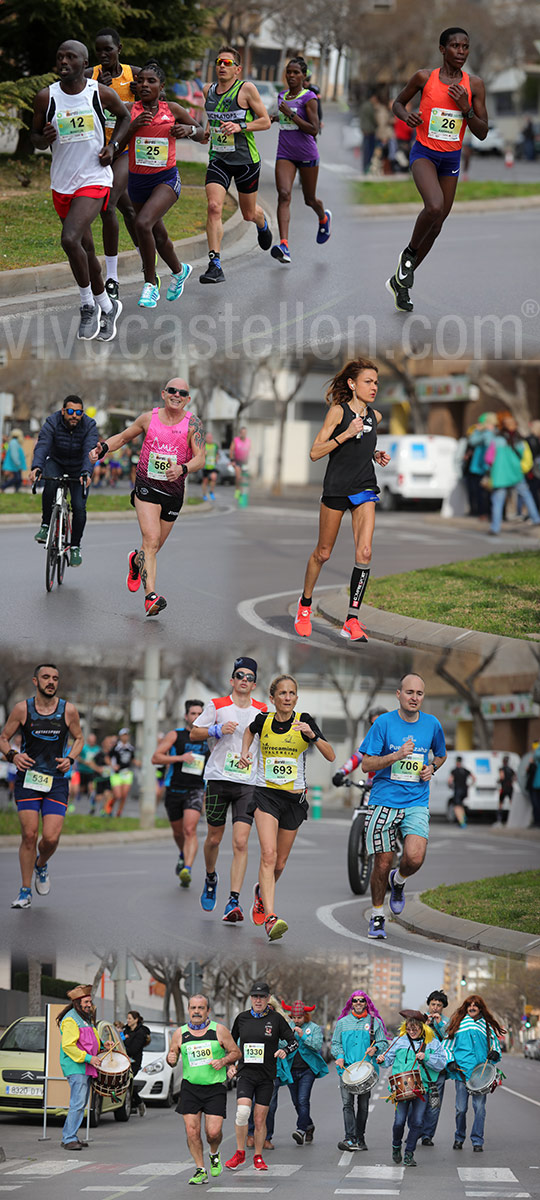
184 763
46 724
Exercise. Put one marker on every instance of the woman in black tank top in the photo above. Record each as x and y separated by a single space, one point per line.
349 438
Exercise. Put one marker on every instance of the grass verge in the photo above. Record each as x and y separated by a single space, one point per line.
79 823
17 503
497 594
403 191
510 901
30 228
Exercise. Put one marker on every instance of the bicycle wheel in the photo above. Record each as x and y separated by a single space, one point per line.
359 862
64 541
52 548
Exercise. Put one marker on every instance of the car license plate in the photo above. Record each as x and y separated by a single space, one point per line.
23 1089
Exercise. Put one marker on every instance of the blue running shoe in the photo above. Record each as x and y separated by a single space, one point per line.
376 928
24 899
397 899
176 286
208 897
281 252
325 228
41 880
233 912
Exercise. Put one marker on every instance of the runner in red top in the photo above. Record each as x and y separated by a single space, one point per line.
451 101
153 179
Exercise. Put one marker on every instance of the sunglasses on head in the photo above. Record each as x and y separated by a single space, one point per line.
244 675
225 62
172 391
74 412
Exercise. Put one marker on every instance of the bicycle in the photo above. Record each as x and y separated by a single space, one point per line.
359 861
58 544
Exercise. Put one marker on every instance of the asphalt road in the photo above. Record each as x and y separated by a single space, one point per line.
151 1155
133 895
477 293
227 574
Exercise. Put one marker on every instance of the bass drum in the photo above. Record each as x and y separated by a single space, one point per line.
113 1075
482 1079
406 1085
359 1077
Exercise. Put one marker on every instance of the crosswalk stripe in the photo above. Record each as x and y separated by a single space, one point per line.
171 1168
10 1187
395 1174
239 1189
51 1166
117 1190
366 1192
486 1175
284 1170
501 1195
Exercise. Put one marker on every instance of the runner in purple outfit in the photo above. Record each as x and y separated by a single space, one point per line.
297 151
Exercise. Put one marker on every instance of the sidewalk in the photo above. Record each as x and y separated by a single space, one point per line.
419 918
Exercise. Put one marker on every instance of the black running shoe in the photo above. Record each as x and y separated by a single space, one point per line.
405 269
264 236
213 273
111 288
402 300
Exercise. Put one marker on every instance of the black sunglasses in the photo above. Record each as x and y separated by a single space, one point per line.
176 391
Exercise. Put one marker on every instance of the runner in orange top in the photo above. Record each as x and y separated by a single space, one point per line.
120 77
451 101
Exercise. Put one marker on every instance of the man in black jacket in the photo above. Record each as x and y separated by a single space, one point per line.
63 445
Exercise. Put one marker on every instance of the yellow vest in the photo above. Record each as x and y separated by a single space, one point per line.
120 85
280 753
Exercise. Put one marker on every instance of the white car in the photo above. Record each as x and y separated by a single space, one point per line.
159 1081
492 144
268 92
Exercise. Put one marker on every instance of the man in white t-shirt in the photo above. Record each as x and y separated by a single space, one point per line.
222 723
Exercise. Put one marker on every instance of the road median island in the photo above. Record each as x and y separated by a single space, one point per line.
399 197
84 828
466 914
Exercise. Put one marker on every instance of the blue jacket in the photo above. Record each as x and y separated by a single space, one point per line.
68 447
402 1057
469 1046
352 1037
309 1048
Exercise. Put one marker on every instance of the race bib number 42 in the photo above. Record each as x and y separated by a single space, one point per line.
282 771
254 1052
37 781
445 124
158 464
75 126
223 143
151 152
407 770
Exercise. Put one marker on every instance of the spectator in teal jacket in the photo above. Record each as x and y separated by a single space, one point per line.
300 1070
507 473
359 1032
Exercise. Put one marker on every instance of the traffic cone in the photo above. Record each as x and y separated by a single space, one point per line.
509 158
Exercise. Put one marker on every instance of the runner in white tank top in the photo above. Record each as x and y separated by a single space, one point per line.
69 118
174 446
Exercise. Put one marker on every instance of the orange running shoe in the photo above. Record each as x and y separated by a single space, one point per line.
303 620
259 1163
154 604
275 927
238 1159
133 581
353 630
257 913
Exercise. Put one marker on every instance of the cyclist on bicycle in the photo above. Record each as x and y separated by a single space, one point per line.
354 761
396 748
62 448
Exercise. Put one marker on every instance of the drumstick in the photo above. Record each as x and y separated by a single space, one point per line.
367 1051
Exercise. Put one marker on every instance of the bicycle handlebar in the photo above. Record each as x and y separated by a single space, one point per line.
65 479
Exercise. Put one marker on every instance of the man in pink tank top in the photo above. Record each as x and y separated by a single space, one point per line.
173 447
450 102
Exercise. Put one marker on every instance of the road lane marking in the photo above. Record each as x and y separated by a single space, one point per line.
53 1166
366 1192
325 914
520 1094
379 1171
120 1191
486 1175
158 1168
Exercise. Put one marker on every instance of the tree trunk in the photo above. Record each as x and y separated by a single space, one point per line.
34 988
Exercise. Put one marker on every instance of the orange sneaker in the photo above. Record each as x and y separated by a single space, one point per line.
133 581
303 619
353 630
275 927
238 1159
154 604
259 1163
257 913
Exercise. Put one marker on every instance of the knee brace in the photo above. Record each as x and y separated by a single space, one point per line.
242 1114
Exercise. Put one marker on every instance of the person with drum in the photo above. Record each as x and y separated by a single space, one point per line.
79 1058
436 1001
359 1035
416 1057
473 1048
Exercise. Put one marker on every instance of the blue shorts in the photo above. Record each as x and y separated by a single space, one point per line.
447 162
383 823
141 186
297 162
53 802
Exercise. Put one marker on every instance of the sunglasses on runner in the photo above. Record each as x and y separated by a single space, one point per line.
176 391
74 412
244 675
225 62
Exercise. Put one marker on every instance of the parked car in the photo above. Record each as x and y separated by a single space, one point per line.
531 1049
492 144
160 1082
421 467
483 796
269 94
22 1065
190 96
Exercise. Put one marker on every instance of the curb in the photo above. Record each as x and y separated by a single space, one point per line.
52 277
118 515
410 209
472 935
90 839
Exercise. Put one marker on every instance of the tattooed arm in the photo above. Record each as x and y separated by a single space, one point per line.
197 441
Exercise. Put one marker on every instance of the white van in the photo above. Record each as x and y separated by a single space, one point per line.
422 467
484 794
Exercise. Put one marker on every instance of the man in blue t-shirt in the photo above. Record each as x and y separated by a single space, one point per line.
396 749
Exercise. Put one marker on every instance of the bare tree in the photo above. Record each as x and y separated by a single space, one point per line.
285 385
34 987
465 687
168 970
398 366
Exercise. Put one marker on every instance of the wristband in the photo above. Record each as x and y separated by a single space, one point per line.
104 450
72 760
215 731
433 767
184 469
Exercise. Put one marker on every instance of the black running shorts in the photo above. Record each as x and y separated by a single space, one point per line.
245 175
290 809
170 505
219 795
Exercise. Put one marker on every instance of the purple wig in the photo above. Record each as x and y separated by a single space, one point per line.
369 1004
